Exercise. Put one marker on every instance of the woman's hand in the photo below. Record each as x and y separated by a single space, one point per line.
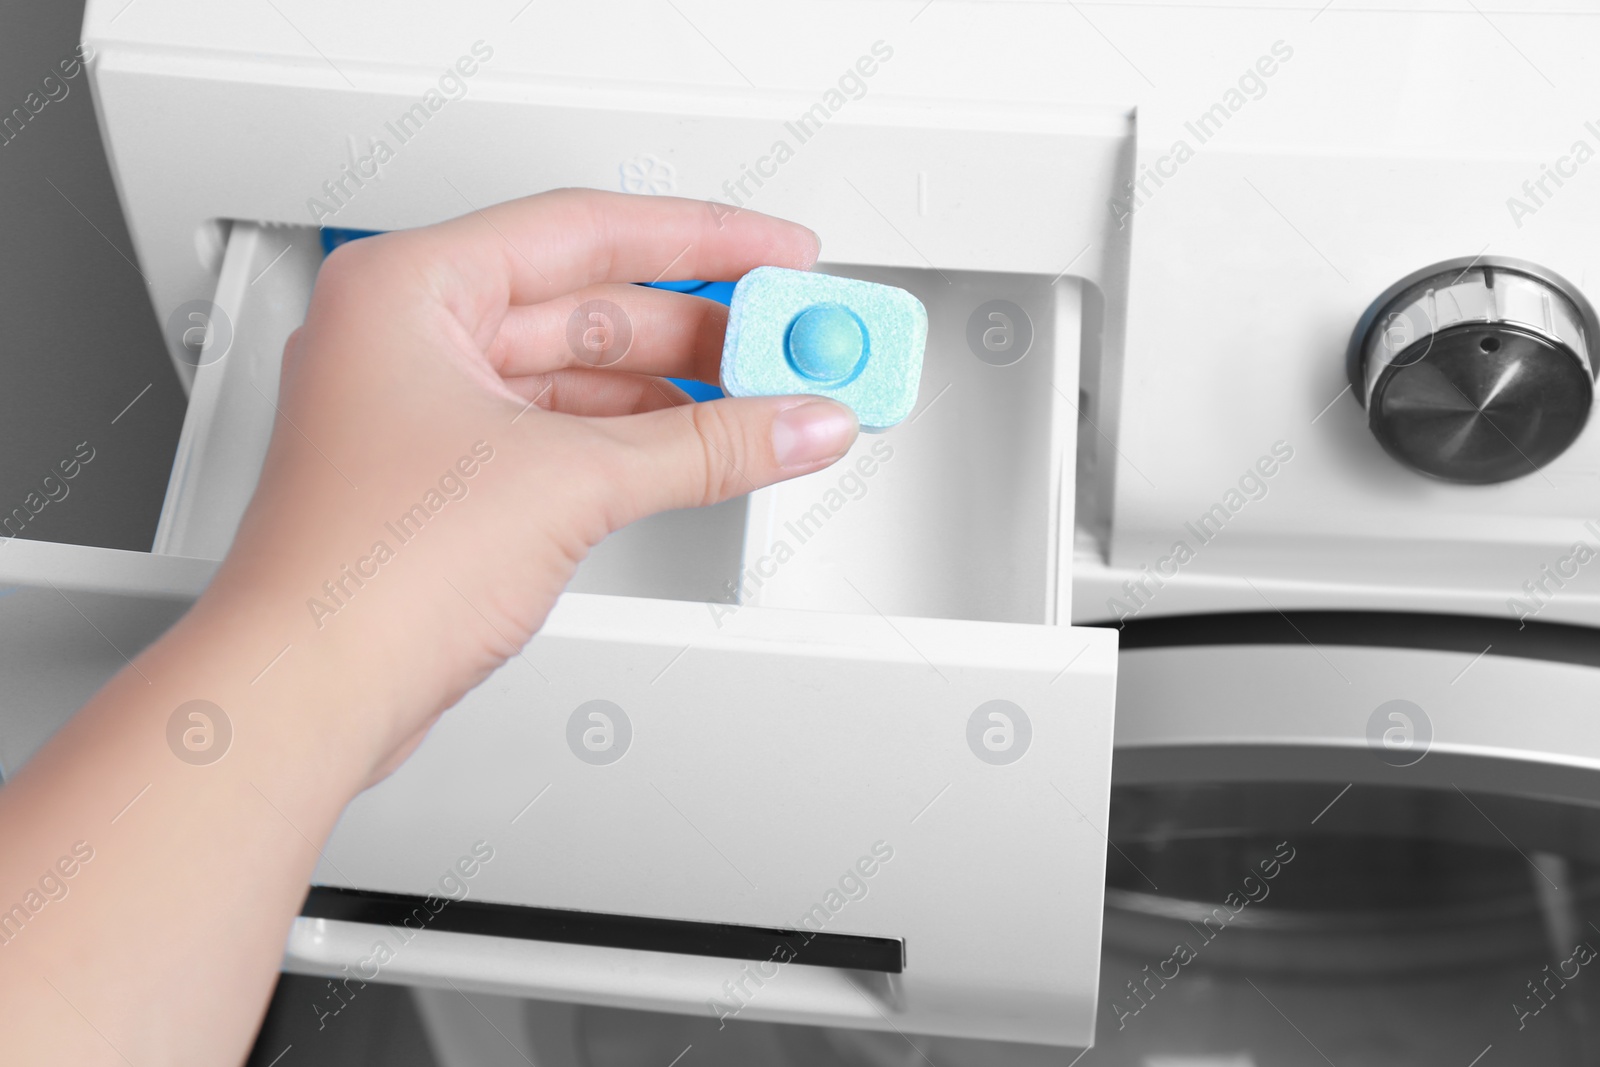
456 435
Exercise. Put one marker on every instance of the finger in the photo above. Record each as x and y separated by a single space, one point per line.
530 250
625 327
584 391
697 454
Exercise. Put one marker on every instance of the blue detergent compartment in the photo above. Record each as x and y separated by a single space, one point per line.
333 237
722 292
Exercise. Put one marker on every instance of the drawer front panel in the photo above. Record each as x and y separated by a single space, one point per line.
936 782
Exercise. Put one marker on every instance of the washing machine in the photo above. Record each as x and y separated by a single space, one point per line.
1205 673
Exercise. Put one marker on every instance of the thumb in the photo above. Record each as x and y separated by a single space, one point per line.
689 455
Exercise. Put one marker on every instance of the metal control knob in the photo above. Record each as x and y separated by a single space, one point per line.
1476 370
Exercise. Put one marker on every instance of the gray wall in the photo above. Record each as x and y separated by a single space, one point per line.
78 337
78 342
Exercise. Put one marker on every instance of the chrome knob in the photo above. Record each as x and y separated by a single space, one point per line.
1476 370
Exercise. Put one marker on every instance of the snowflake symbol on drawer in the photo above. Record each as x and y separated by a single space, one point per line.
646 173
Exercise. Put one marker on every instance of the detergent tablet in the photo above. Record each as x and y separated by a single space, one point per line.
792 331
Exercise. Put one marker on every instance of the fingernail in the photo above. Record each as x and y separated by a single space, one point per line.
816 245
812 432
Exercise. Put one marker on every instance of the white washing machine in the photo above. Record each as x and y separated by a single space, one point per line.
1253 436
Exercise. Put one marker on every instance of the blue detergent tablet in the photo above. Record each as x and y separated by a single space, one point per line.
860 343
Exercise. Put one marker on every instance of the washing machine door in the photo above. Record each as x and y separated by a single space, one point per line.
1353 838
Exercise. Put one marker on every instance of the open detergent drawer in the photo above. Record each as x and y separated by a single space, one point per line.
822 755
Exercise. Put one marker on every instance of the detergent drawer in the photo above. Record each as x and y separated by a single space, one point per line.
72 615
773 814
788 815
817 755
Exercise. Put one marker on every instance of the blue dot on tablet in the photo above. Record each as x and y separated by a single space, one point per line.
826 343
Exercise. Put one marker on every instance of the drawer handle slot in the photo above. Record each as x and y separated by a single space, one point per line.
685 937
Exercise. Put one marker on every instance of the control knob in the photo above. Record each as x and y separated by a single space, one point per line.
1476 370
